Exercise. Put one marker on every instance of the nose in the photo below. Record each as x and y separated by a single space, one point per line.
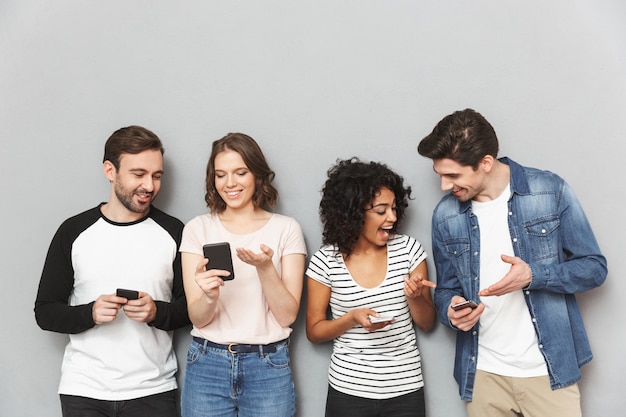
391 215
230 180
446 184
148 183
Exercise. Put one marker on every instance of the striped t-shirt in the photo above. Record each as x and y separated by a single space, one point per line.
384 363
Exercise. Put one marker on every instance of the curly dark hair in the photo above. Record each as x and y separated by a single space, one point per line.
351 186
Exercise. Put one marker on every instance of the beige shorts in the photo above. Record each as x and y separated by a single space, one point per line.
501 396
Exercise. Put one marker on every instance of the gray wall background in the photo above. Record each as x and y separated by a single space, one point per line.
312 81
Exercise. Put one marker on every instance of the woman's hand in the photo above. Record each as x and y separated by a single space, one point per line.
415 284
257 260
361 317
417 289
209 281
281 291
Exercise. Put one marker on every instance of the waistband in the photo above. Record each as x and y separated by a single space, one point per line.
241 347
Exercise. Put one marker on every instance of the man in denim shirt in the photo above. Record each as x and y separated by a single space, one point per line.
516 241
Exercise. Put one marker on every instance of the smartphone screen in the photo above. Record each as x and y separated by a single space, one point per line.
219 257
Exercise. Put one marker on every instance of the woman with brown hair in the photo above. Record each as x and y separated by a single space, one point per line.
238 361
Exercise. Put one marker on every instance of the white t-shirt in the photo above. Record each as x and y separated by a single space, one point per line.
507 344
242 314
123 359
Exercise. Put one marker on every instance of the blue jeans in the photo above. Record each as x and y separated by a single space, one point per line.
158 405
339 404
223 384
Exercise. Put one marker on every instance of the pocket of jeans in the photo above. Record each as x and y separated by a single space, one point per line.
193 354
278 359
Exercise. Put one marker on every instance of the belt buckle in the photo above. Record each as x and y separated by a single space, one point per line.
230 347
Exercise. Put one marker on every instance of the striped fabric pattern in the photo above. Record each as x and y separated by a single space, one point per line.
381 364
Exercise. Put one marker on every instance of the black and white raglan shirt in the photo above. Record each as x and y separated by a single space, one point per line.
91 255
384 363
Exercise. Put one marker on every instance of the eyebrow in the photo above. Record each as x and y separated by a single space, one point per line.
445 174
380 205
143 170
234 170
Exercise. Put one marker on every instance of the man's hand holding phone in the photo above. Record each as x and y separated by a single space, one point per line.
464 314
141 309
464 304
106 307
138 306
128 294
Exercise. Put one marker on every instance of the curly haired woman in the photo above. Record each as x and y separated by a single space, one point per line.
375 281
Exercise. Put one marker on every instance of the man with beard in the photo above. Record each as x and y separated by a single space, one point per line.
119 359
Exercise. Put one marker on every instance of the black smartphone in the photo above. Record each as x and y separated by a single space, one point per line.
128 294
464 304
219 257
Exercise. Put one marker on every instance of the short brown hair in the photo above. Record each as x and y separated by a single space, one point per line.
464 136
265 195
132 140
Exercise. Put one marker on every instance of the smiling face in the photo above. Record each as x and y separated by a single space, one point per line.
380 217
463 181
233 180
136 183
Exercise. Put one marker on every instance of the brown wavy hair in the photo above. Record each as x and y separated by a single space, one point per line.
265 195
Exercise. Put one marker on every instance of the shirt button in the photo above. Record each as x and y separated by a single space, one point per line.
543 230
540 346
473 358
534 320
474 333
475 253
475 278
514 239
527 292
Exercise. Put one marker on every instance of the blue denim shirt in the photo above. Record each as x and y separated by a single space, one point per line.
551 233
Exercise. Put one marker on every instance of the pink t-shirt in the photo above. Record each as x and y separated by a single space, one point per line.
242 314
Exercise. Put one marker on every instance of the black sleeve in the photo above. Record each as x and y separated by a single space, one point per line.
52 311
172 315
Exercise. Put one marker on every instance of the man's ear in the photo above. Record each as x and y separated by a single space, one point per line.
109 170
487 163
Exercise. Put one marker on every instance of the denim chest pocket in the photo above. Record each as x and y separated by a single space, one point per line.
543 238
459 251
